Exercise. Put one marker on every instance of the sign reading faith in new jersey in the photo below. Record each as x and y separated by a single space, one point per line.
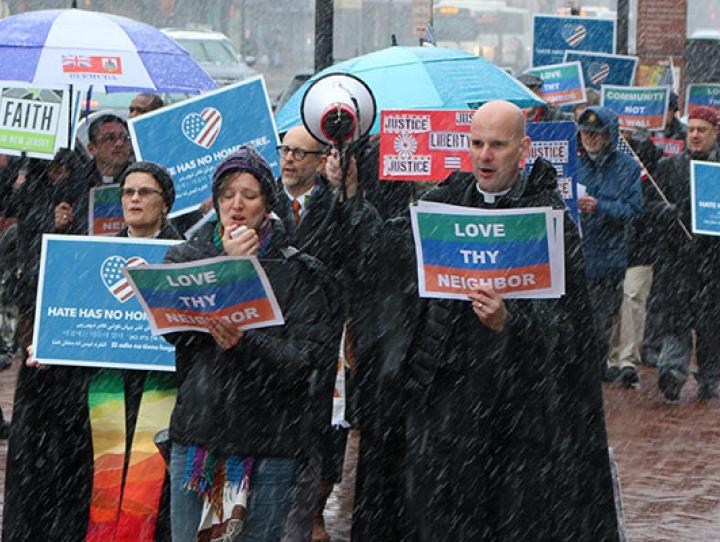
86 312
705 197
553 35
637 107
191 137
517 252
603 69
186 296
33 121
105 215
562 83
556 142
702 94
424 145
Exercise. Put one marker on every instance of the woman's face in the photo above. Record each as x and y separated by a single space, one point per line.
241 202
142 202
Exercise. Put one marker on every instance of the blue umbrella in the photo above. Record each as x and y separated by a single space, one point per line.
421 78
86 48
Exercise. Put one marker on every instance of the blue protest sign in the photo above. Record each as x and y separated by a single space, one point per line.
86 313
553 35
705 197
557 143
602 69
191 137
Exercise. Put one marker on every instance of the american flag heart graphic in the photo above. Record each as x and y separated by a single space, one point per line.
202 128
114 280
598 72
573 34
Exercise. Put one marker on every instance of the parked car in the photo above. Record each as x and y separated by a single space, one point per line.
215 53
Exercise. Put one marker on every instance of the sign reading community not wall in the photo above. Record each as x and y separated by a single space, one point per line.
637 107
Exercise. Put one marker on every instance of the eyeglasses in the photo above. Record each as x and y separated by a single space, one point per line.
113 138
143 192
297 153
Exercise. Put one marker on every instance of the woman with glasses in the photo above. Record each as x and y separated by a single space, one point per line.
250 404
147 194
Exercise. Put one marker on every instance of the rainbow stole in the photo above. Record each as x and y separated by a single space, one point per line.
125 505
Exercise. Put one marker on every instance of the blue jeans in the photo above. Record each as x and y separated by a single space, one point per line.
271 490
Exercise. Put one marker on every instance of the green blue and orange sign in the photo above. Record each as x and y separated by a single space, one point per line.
702 94
562 83
518 252
186 296
105 215
637 107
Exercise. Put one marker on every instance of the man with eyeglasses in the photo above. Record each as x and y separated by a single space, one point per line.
320 223
110 148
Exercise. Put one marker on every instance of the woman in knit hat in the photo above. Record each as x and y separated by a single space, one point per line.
250 403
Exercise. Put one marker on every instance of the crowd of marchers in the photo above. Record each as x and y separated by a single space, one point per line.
479 419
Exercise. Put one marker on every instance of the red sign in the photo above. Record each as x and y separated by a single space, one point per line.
92 64
424 145
670 147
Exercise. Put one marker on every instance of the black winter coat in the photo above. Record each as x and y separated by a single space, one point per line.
675 282
272 393
507 428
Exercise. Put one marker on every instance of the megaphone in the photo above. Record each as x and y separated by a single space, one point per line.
338 109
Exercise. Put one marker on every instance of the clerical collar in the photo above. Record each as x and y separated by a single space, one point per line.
490 197
153 236
108 180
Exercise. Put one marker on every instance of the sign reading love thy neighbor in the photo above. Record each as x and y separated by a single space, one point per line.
705 197
604 69
562 83
553 35
637 107
186 296
86 312
191 137
702 94
33 121
105 215
516 252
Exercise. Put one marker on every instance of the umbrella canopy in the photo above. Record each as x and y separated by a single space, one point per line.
421 78
87 48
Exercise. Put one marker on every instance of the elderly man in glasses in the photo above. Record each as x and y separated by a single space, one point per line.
336 231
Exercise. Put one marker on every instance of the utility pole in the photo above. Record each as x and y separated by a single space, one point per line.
623 12
323 34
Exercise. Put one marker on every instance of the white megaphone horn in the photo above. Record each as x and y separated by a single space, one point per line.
338 109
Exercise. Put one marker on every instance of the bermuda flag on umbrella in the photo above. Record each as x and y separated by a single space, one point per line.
87 48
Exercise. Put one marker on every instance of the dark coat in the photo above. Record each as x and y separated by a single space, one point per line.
506 434
675 282
49 473
270 394
341 236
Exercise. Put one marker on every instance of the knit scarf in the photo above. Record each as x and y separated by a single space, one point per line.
128 476
265 234
224 483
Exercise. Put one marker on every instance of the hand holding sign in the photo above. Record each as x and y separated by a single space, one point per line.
587 204
489 307
63 215
225 334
